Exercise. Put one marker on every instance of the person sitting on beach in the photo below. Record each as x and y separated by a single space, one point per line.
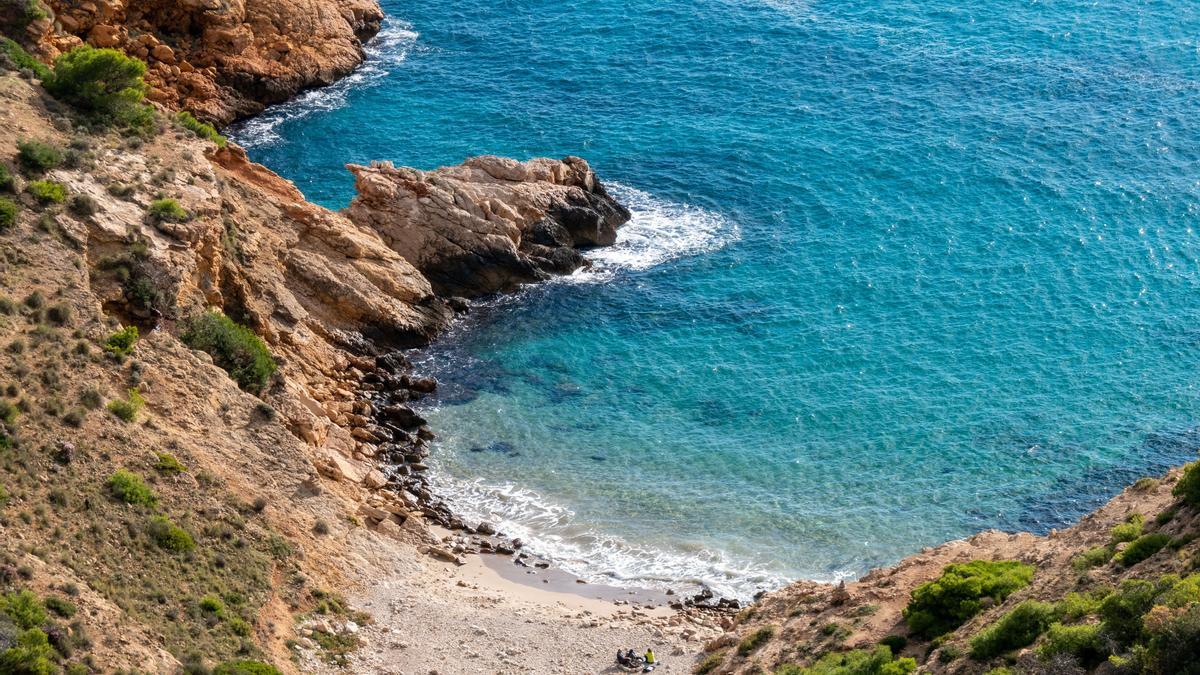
649 655
631 658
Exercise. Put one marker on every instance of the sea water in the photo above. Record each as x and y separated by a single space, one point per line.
898 271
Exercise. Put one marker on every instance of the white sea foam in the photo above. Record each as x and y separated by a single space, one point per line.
551 531
389 48
660 231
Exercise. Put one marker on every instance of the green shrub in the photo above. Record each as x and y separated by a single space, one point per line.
1188 486
24 608
1093 557
23 60
1075 606
212 604
31 655
710 663
1174 645
940 606
1123 609
167 464
61 607
168 535
755 640
245 668
127 410
896 643
83 206
1018 628
166 211
8 214
1129 530
1181 592
206 131
101 82
131 489
121 343
59 314
47 191
38 157
1082 642
233 347
878 661
1141 548
7 182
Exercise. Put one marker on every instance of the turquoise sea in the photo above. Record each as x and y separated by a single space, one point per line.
899 271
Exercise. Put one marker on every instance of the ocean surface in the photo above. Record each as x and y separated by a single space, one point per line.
899 271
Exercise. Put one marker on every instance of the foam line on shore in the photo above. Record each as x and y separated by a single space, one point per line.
386 50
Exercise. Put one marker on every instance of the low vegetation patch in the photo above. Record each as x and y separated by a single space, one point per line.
233 347
127 409
1018 628
168 535
1141 548
166 211
1083 642
121 343
23 60
47 191
942 605
36 157
245 668
168 465
131 489
1093 557
878 661
755 640
205 131
1188 486
1129 530
8 214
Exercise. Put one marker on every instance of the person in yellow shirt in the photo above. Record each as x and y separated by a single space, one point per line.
649 656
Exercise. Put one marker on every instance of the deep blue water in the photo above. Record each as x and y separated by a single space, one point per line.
900 270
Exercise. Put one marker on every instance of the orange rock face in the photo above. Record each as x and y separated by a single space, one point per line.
222 59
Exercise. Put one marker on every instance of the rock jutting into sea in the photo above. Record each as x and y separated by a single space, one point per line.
223 60
491 223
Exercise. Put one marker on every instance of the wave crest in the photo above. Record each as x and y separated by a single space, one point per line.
658 232
550 531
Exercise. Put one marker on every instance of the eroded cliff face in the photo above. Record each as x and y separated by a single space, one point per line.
489 224
221 59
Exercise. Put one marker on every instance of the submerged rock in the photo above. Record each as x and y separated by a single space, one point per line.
489 224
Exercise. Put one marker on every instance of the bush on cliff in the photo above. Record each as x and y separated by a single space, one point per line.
22 60
1188 486
1018 628
102 83
877 661
127 410
942 605
131 489
1141 548
8 214
31 655
206 131
47 191
166 211
245 668
168 535
36 157
121 343
1123 609
233 347
1082 642
24 608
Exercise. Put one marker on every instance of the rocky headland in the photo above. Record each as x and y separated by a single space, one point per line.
174 503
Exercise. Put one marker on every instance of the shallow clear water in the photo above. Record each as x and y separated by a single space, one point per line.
899 270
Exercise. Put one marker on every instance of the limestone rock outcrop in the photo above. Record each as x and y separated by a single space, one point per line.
489 224
222 59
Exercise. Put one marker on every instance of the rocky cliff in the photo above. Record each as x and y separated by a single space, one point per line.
491 223
221 59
